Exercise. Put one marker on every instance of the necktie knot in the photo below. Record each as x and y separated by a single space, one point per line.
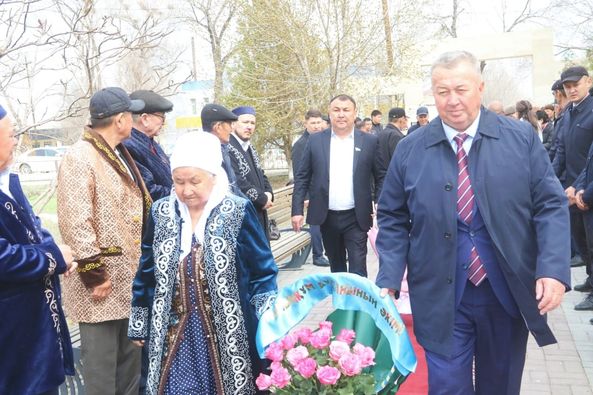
460 138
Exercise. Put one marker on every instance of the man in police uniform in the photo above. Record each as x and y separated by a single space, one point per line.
150 158
218 120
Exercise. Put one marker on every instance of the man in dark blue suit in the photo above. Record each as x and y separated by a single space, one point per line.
337 170
472 207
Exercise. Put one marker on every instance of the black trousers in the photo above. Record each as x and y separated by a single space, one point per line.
582 238
341 233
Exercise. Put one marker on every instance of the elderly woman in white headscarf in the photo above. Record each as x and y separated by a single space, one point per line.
205 276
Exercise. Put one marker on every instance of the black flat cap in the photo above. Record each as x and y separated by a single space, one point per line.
110 101
215 113
397 112
153 102
573 74
557 86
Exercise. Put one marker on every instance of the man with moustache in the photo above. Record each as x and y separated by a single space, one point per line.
251 178
482 228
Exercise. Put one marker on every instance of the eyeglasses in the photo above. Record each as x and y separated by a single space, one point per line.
162 117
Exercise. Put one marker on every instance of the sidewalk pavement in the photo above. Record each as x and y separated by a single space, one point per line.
565 368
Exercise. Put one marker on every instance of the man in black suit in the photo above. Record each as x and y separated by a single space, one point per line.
313 124
251 178
337 170
391 135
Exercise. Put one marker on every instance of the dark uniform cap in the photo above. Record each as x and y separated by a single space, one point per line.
422 111
573 74
110 101
557 86
215 113
397 112
153 102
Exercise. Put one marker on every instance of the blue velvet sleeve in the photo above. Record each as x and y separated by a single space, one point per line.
143 287
254 250
29 262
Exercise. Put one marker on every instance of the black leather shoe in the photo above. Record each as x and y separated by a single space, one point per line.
586 304
577 261
323 262
584 287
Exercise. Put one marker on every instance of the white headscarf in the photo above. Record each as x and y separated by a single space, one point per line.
200 150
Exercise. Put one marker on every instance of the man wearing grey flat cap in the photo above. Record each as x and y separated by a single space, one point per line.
150 158
102 205
421 119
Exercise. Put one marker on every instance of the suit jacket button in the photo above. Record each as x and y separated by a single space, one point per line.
448 187
447 235
449 280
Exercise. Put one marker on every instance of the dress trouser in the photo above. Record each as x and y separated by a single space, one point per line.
316 241
579 236
341 233
485 331
110 361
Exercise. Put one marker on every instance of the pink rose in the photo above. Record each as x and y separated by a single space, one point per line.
263 382
306 367
274 352
280 377
326 325
321 338
295 355
328 375
367 357
346 335
276 365
304 335
358 348
337 349
350 364
288 341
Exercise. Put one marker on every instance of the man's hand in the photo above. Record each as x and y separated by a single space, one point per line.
139 343
102 291
580 202
71 265
571 195
297 222
269 202
549 292
387 291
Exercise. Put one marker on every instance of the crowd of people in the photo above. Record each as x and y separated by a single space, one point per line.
167 261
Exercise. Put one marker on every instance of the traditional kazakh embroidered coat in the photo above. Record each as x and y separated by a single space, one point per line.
101 211
35 349
239 274
251 178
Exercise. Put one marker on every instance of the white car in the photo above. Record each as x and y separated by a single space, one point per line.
46 159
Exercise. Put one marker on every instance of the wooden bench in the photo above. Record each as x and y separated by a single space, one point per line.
292 249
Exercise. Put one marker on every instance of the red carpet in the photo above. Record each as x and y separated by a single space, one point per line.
416 383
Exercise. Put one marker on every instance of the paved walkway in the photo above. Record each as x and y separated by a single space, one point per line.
565 368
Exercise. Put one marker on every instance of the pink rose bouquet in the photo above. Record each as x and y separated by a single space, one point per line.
315 362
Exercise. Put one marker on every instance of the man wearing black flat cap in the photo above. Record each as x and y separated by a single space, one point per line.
575 136
218 120
150 158
102 207
391 135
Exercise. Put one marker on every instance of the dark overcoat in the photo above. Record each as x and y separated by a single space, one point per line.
520 199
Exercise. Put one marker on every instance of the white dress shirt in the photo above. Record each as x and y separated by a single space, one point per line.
244 144
341 168
471 133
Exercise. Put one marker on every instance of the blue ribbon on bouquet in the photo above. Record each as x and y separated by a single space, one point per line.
349 292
